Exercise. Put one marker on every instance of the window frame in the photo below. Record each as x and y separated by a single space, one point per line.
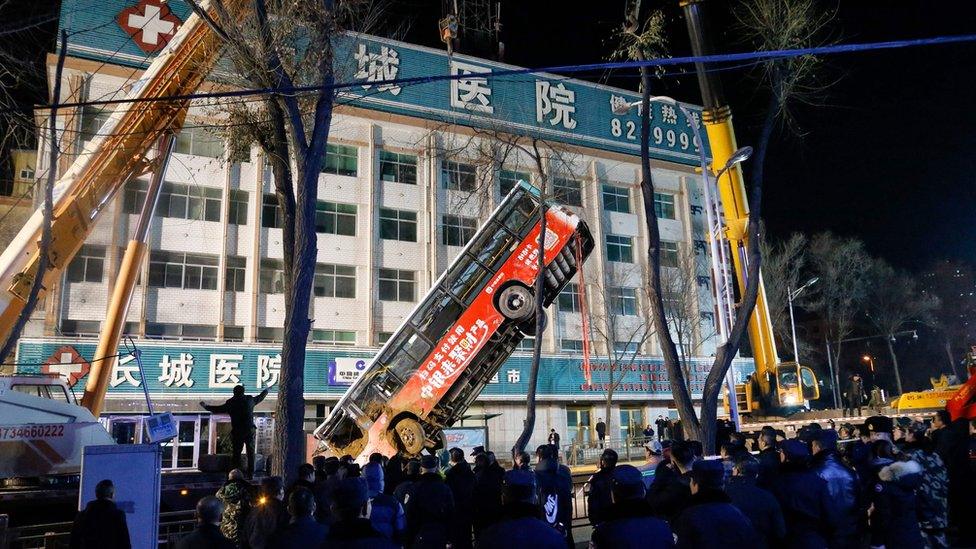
616 198
206 265
568 191
327 274
504 175
459 176
568 300
387 276
623 247
401 224
235 274
271 276
89 259
670 254
237 203
330 212
457 230
344 153
404 172
621 303
664 206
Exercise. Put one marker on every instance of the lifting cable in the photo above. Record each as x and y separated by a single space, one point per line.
584 313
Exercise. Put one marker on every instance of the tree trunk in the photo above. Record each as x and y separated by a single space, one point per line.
608 412
679 388
894 364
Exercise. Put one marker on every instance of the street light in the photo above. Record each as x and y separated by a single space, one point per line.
870 360
718 254
790 296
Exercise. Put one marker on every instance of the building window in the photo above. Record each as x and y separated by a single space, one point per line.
567 191
199 142
236 274
571 345
616 199
134 196
92 120
458 177
180 331
669 254
383 337
80 327
233 333
664 205
457 230
271 214
26 173
398 167
237 207
341 160
627 347
620 248
180 270
507 179
398 225
527 344
569 299
335 218
334 281
334 337
88 264
189 202
272 277
623 301
267 334
397 285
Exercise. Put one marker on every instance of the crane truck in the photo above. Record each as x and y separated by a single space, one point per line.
136 139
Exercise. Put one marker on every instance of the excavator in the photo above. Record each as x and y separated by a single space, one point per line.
38 418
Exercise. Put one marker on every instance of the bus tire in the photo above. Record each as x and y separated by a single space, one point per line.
516 302
410 436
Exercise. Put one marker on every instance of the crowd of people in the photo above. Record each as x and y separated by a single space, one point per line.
885 484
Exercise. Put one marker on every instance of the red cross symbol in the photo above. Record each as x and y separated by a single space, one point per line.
68 363
150 23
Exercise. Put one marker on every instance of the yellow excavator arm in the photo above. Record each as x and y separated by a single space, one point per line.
120 151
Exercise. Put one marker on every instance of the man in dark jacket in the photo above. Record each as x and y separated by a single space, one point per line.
383 510
803 497
662 426
629 523
460 479
951 440
207 533
430 507
599 499
669 492
843 488
757 504
240 408
769 461
350 530
302 531
894 515
101 525
554 489
709 518
268 516
601 431
855 395
932 494
411 474
486 495
520 525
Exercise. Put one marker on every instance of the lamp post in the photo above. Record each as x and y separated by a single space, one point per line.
870 360
718 252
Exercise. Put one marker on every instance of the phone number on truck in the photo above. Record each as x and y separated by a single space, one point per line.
31 431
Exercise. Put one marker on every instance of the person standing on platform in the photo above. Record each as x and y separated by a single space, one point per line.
240 408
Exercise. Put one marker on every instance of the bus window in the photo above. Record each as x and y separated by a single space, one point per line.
436 315
521 210
404 354
493 246
467 285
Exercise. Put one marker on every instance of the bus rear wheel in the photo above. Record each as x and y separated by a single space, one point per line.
410 436
515 302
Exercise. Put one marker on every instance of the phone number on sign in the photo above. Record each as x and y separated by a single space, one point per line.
32 431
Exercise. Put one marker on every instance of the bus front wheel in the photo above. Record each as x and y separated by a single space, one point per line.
410 435
516 302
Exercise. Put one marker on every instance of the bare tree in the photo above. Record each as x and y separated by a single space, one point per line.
284 45
894 303
784 263
955 318
843 266
680 282
621 329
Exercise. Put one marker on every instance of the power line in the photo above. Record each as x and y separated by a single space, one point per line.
571 69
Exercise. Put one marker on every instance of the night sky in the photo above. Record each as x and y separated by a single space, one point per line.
886 157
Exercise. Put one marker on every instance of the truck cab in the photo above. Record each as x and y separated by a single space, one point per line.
50 386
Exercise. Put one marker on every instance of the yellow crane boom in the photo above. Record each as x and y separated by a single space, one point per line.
118 153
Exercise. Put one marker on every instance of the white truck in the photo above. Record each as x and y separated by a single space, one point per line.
51 429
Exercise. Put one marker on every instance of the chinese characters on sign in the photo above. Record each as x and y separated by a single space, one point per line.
471 93
453 355
177 372
269 368
555 104
378 67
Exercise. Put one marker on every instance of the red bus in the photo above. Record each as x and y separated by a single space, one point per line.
473 318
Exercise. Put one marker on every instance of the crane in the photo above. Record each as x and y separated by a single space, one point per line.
123 149
776 386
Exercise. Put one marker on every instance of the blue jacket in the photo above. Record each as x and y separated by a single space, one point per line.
846 505
894 521
805 501
710 520
303 532
760 507
386 515
631 524
520 527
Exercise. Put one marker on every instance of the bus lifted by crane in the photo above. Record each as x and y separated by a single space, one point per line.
472 319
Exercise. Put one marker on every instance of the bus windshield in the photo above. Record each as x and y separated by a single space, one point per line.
455 340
